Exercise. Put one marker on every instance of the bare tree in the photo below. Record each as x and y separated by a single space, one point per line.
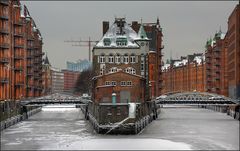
84 81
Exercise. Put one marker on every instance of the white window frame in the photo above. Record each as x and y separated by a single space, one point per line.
132 59
107 83
114 83
126 59
102 59
129 83
117 59
111 59
123 83
130 70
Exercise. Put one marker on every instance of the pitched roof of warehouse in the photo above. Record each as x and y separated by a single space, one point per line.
121 32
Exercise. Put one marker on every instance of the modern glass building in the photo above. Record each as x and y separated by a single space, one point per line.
79 65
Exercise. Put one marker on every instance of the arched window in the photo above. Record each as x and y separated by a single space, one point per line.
102 58
118 58
130 70
113 69
126 59
132 58
111 58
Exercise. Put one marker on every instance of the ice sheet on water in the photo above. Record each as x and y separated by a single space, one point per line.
59 108
127 144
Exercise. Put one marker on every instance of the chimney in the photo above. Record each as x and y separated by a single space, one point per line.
135 26
105 26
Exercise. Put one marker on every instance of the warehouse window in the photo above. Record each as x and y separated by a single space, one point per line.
118 59
129 83
111 59
123 83
125 59
102 58
130 70
107 83
132 58
114 83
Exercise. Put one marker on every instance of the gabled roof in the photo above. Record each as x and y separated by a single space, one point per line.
120 31
46 61
142 34
120 71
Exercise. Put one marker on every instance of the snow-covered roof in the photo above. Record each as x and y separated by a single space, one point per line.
198 59
165 67
222 36
122 32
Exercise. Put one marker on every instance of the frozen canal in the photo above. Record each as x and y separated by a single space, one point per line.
176 128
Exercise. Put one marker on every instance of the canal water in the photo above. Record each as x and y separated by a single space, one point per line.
64 128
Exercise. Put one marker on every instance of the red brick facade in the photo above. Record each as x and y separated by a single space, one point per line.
70 79
154 33
122 84
216 65
186 74
233 53
20 53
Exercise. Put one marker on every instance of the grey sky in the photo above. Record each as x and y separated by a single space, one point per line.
186 25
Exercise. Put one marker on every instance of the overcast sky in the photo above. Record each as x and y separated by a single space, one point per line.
186 25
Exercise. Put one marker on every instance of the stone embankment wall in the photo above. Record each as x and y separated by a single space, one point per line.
232 110
20 117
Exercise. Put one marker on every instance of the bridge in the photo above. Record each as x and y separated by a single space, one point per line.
177 98
54 100
195 98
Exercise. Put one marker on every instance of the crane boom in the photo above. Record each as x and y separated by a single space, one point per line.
88 43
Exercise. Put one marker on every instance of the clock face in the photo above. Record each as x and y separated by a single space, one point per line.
142 43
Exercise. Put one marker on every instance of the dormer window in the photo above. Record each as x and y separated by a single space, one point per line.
121 41
106 41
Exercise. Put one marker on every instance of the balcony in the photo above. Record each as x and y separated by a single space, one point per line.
29 65
30 39
30 48
36 77
4 60
18 46
4 2
18 22
3 17
29 57
18 57
18 34
4 45
18 68
19 83
35 70
4 80
29 74
4 31
29 86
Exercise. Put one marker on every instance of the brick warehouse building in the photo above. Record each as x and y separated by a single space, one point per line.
123 50
70 79
184 74
216 64
154 34
47 77
221 72
20 57
20 54
234 53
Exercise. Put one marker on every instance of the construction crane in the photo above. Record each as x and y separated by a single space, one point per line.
88 43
